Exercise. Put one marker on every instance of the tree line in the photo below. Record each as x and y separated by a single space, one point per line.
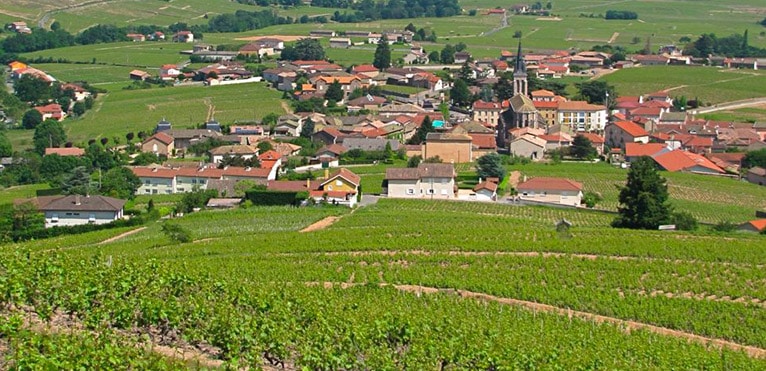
736 45
392 9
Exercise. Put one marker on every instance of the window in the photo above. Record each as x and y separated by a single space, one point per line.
410 191
431 191
147 182
329 188
338 182
55 218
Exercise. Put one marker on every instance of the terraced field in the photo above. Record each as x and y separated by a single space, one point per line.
476 280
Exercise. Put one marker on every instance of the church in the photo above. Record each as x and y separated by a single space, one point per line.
521 111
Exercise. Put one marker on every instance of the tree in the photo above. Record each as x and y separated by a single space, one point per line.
414 161
29 88
434 57
448 54
460 46
50 133
582 148
466 72
684 221
77 182
644 198
460 94
176 232
334 92
146 158
120 182
308 128
596 91
503 88
31 119
304 49
490 165
6 149
420 135
590 199
264 146
382 59
755 158
763 22
411 27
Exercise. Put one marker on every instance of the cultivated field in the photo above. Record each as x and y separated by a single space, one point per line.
711 85
476 280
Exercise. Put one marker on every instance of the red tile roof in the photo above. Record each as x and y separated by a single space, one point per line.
292 185
543 93
759 224
73 151
483 140
365 68
490 186
269 155
631 128
480 104
162 137
545 105
646 111
550 184
345 174
682 160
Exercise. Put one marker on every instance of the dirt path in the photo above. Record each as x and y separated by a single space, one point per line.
322 224
613 38
625 325
513 179
122 235
286 106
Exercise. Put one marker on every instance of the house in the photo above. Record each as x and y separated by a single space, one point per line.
249 130
619 133
159 144
80 94
332 151
756 175
328 135
16 65
139 75
256 48
347 83
368 102
19 27
78 210
342 187
680 160
184 138
366 69
449 147
18 73
64 152
169 72
223 203
596 140
427 180
651 60
582 116
528 146
559 191
183 37
218 154
165 180
136 37
484 191
51 111
757 226
156 36
488 112
462 57
288 126
163 125
370 144
340 42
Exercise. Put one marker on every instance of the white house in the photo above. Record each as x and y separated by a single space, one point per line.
77 210
582 116
551 190
425 181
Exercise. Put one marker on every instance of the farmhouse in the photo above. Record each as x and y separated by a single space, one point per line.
484 191
680 160
551 190
79 210
218 154
139 75
619 133
757 226
183 37
340 42
51 111
450 147
528 146
427 180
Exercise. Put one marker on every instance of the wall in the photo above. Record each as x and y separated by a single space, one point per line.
79 217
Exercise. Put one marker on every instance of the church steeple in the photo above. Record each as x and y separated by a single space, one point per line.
519 74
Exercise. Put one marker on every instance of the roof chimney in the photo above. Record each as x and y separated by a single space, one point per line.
308 184
326 174
77 200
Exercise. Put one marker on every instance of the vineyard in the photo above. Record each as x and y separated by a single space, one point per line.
401 284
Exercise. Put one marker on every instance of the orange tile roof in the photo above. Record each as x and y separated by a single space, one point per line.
594 138
543 93
345 174
631 128
641 149
344 80
759 224
480 104
580 106
545 105
646 111
682 160
483 140
365 68
162 137
550 184
269 155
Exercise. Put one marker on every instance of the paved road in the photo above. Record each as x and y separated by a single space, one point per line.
731 105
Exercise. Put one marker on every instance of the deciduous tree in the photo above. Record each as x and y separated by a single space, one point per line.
50 133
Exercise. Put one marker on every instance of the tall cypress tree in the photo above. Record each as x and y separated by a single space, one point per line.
644 199
382 54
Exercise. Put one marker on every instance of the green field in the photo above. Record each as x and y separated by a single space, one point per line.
751 114
711 85
8 195
250 288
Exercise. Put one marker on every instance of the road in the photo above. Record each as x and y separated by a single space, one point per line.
731 105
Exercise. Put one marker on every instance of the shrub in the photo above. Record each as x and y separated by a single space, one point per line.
176 232
725 226
684 221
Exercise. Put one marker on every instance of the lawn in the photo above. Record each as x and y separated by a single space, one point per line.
709 84
121 111
132 54
750 114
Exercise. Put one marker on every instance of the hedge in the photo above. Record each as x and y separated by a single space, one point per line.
264 197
